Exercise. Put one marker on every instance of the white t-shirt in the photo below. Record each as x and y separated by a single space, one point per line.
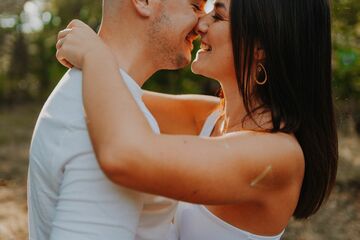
196 222
69 197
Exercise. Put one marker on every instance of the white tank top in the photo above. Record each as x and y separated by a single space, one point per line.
196 222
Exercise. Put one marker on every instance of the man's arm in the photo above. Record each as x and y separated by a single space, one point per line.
180 114
89 206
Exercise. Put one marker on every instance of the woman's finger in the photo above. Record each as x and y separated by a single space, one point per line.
64 33
62 60
75 23
66 63
60 43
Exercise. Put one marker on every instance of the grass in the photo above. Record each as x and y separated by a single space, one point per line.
338 219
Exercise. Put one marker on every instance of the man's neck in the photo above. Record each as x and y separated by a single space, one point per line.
130 54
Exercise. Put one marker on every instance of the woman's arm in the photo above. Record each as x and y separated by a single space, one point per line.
175 114
229 169
180 114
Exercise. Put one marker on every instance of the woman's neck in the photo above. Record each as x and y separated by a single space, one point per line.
233 108
235 117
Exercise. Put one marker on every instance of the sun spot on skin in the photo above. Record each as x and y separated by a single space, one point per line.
262 175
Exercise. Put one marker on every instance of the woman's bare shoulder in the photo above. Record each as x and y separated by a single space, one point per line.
278 153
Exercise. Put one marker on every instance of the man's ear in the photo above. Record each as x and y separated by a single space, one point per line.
142 7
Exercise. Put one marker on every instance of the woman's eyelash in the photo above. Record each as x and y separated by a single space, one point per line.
196 7
216 17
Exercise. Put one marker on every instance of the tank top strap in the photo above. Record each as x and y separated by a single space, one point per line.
210 123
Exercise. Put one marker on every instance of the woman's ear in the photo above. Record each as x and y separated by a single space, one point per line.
259 52
142 7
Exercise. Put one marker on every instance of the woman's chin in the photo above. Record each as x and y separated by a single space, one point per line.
201 64
199 69
195 68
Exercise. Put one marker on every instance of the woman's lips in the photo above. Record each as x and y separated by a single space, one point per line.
205 47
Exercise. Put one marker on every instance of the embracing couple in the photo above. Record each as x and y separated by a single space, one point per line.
111 161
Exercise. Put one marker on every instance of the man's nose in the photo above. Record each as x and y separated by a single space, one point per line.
202 26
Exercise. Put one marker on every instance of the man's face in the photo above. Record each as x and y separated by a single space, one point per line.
172 32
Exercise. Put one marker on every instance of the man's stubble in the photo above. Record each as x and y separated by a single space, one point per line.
165 47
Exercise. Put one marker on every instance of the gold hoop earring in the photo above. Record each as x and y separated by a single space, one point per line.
260 68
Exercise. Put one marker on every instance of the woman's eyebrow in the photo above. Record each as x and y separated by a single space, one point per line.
220 5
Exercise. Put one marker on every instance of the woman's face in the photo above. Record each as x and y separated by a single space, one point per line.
215 57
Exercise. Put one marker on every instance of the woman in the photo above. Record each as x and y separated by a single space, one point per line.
272 153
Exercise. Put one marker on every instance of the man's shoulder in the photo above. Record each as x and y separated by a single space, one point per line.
70 76
65 101
69 84
74 73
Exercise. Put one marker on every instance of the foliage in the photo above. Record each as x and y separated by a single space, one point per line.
29 71
346 37
346 58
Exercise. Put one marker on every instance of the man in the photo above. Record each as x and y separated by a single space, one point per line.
69 196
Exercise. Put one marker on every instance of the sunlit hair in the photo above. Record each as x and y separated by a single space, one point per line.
296 38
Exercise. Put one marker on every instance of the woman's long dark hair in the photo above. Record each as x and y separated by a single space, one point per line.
296 38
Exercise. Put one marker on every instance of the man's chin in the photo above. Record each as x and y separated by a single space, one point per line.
182 61
177 62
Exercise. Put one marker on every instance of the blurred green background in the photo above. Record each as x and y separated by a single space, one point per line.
29 72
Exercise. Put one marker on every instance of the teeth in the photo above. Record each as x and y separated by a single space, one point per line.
205 47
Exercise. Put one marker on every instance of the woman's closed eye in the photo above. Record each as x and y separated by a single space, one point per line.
217 17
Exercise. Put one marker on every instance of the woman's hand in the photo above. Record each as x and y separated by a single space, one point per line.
78 42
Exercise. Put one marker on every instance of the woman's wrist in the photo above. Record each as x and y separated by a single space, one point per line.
99 55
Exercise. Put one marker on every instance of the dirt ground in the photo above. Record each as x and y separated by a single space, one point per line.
338 219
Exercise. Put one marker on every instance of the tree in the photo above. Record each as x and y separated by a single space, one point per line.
346 62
